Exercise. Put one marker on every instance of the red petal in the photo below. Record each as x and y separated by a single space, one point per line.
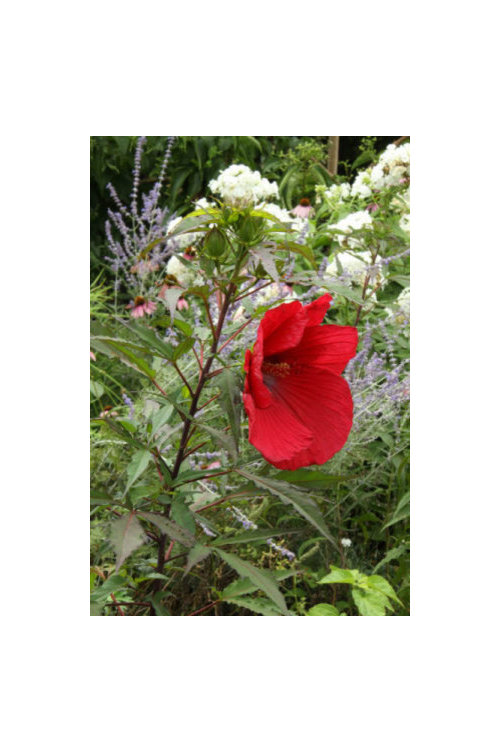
282 327
322 402
329 346
275 431
316 310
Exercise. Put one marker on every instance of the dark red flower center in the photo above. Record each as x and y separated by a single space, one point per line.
139 301
304 202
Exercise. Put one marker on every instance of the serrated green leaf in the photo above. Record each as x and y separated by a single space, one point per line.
376 582
197 554
182 515
244 586
394 553
252 535
137 465
126 535
259 578
305 506
170 528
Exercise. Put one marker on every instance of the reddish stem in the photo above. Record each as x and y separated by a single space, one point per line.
116 604
205 608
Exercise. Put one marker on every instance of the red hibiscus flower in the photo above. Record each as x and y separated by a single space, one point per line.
299 407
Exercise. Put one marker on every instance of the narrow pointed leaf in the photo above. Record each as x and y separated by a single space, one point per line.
259 578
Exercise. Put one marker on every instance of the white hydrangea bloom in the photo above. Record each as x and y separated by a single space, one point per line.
354 266
184 275
362 184
337 193
203 203
354 221
240 186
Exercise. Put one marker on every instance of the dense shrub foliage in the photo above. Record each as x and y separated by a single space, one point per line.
207 244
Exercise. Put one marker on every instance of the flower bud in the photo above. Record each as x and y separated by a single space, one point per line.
249 229
215 245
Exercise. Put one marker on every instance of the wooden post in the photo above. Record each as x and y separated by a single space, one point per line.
333 154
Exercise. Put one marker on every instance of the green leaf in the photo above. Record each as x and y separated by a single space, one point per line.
376 582
265 257
304 505
262 606
96 388
230 401
259 578
147 335
126 535
244 586
198 553
222 439
156 600
346 292
170 528
137 465
323 609
339 575
394 553
252 535
124 352
183 347
160 417
100 497
310 478
303 250
113 583
401 512
183 515
370 602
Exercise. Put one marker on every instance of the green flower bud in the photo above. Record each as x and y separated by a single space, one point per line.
249 229
215 245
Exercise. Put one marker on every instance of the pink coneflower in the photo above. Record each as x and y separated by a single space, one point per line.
372 207
303 208
92 356
182 304
141 306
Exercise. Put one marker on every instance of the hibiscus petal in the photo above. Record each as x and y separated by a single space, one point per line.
282 327
315 311
328 346
321 401
275 431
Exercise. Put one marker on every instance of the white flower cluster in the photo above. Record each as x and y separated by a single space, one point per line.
355 221
186 276
392 168
354 267
240 186
400 311
337 193
283 215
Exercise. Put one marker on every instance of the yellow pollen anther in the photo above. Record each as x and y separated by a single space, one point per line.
276 369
